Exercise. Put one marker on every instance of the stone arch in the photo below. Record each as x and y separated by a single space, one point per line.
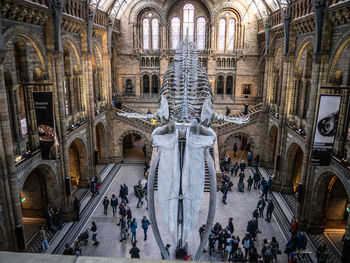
338 50
325 179
78 163
143 137
248 144
293 169
208 4
305 46
271 147
139 8
101 143
16 31
39 188
69 41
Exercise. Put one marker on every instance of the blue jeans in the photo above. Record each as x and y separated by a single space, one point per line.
139 202
145 232
44 244
94 237
133 237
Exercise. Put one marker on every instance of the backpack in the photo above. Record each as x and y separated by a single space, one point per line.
268 252
246 243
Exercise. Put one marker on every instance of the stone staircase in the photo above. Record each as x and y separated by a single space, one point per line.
206 179
223 127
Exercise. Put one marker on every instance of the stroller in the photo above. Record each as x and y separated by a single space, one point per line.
84 237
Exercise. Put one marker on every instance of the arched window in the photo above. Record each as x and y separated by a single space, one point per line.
188 22
220 85
145 81
229 84
231 34
145 29
175 32
155 84
155 34
221 38
201 33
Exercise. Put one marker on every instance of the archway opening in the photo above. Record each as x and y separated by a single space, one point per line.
133 144
295 165
100 144
330 207
77 165
272 146
36 194
243 143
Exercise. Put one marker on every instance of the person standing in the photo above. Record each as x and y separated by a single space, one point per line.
76 248
201 233
257 160
122 213
256 180
228 111
144 149
122 194
322 254
250 158
68 250
114 203
261 206
133 227
94 231
167 251
235 169
60 218
230 225
250 182
235 148
105 205
275 247
128 218
126 192
269 210
43 238
245 111
242 166
145 223
76 207
247 243
134 251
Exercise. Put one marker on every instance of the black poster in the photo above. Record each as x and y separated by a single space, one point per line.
43 104
326 129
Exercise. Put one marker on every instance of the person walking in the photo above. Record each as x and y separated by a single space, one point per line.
123 229
167 251
43 238
322 254
134 251
133 227
94 231
269 210
76 248
76 208
122 194
230 225
201 233
144 149
245 111
105 205
257 160
267 253
126 192
114 203
145 223
122 213
139 194
128 218
235 148
228 111
224 190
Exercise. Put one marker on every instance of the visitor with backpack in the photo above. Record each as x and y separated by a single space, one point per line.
247 243
267 253
145 223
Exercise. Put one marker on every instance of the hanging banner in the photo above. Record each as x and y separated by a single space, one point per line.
326 129
43 104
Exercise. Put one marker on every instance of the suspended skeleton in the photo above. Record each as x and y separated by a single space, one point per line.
186 112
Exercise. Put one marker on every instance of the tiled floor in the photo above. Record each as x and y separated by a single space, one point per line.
240 207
